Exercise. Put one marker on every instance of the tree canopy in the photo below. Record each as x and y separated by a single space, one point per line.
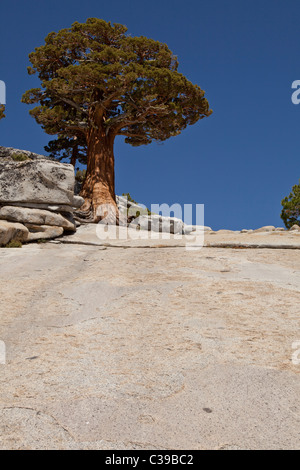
66 148
291 207
134 80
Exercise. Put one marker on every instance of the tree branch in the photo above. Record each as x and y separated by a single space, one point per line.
125 134
78 127
123 122
72 103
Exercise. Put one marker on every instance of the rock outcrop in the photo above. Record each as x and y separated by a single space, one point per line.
11 231
140 216
36 192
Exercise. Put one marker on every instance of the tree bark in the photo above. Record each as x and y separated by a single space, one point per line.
99 186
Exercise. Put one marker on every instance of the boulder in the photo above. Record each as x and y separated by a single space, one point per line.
158 223
192 229
295 228
35 180
38 192
12 232
132 208
267 228
43 232
27 216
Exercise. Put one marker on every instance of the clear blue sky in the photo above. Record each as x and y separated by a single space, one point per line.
241 161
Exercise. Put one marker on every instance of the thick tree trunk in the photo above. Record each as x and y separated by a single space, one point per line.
99 186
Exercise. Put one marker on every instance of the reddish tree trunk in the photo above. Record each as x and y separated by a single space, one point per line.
99 186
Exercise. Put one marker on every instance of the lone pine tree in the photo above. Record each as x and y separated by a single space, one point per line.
98 82
291 207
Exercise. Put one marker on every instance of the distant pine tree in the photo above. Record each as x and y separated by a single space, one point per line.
291 207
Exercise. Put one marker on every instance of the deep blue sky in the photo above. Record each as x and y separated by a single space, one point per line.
241 161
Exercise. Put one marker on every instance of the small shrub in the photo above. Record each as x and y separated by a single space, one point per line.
14 244
19 157
130 199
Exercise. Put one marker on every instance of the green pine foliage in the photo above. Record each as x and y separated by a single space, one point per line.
134 81
291 207
68 148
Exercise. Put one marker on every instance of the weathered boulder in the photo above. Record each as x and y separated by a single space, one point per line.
38 192
12 232
46 232
35 180
132 209
158 223
138 214
295 228
27 215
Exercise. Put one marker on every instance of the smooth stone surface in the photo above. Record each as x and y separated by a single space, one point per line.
149 348
12 231
100 235
35 216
